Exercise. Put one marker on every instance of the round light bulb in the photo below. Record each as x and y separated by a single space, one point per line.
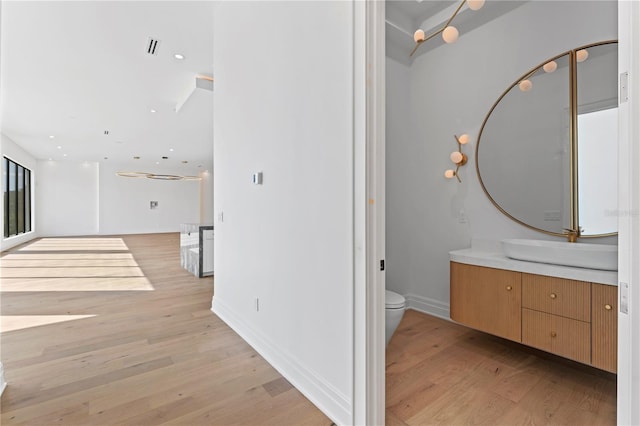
450 34
456 157
550 66
582 55
525 85
418 36
475 4
463 139
449 174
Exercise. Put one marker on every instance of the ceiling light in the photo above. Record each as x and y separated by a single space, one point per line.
51 136
475 4
153 110
449 32
170 149
157 162
59 147
178 56
64 155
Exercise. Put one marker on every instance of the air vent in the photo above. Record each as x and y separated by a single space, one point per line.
152 46
165 158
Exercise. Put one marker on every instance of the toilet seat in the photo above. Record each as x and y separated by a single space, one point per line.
393 300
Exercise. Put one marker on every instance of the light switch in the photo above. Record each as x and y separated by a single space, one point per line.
257 178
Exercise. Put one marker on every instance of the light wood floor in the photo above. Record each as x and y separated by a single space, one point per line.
439 372
113 331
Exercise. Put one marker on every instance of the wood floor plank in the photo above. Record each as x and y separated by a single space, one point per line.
150 351
481 379
156 354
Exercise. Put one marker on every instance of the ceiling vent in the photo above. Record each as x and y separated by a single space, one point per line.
152 46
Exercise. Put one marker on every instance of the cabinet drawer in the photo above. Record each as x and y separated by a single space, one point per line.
562 336
558 296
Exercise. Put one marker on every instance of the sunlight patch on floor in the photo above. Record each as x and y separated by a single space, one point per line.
69 244
72 264
71 272
19 322
76 284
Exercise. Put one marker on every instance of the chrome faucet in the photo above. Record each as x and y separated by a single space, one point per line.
573 234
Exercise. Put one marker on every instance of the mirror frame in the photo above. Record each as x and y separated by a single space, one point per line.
573 141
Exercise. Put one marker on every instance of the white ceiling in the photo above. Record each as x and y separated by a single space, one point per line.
75 69
404 17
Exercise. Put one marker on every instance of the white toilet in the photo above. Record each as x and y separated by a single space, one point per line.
393 312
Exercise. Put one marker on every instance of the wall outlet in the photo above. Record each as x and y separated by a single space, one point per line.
462 216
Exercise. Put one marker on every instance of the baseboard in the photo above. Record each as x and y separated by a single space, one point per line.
324 396
428 306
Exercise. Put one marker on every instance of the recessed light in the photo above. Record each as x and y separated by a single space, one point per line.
170 149
136 158
152 110
178 56
157 162
64 155
59 147
165 158
51 136
106 158
185 162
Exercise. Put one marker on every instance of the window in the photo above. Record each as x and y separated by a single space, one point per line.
16 185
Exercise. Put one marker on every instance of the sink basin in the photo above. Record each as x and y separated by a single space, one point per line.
581 255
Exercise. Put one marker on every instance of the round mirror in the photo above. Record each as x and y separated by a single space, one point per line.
547 151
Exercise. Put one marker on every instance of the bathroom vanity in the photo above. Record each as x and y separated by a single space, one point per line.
571 312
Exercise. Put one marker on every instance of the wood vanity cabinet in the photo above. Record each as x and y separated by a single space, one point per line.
573 319
556 316
604 326
487 299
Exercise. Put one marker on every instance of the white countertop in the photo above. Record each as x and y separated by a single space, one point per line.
491 257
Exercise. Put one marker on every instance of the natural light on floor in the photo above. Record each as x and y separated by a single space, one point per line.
68 265
18 322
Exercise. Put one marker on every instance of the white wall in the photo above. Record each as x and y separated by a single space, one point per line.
67 198
11 150
284 106
451 91
125 202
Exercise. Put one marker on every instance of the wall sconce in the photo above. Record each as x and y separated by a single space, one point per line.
457 157
449 32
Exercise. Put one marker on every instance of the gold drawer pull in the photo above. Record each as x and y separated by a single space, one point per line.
607 307
554 334
509 288
553 295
